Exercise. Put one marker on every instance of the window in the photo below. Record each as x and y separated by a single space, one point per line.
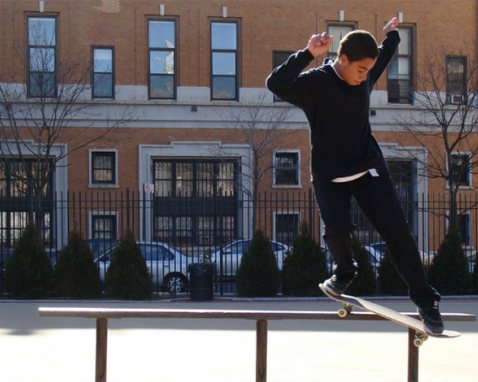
195 201
286 169
103 227
455 79
338 31
162 59
103 168
190 178
41 57
278 58
461 168
21 178
400 87
19 183
464 228
224 60
103 72
286 227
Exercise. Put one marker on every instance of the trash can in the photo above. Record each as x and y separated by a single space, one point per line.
201 281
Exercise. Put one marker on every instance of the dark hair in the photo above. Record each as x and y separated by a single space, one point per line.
357 45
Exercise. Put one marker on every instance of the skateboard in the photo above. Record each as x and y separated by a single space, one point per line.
421 335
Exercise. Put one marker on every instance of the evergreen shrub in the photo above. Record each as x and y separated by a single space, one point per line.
28 272
127 276
448 272
258 273
304 266
76 275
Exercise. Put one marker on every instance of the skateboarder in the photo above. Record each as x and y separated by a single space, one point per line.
346 159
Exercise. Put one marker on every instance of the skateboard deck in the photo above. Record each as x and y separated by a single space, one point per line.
351 302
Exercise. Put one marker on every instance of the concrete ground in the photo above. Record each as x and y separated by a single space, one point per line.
43 349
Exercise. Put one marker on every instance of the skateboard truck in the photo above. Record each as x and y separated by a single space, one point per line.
419 339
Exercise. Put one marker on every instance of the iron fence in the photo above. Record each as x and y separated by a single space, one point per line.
176 232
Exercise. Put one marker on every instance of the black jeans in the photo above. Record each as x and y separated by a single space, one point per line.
377 199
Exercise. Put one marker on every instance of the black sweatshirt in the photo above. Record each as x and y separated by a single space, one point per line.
341 137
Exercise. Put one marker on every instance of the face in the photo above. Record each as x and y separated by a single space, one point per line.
355 72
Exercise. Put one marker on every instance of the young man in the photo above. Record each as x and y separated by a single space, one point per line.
346 159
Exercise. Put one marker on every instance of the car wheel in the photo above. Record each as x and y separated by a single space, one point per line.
175 283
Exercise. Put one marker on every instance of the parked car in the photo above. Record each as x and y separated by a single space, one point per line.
377 250
166 265
228 258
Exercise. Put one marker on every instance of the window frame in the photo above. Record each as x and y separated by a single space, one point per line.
411 56
236 61
112 73
468 183
29 47
449 94
275 184
290 235
92 183
214 219
112 216
174 50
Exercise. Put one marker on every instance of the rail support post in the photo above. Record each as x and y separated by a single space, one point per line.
261 351
101 349
412 357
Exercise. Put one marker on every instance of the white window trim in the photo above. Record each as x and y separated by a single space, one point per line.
90 167
299 166
59 151
194 149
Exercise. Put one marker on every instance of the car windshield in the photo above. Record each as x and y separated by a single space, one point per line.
237 247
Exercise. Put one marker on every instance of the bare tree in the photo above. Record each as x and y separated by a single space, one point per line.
445 120
257 124
34 116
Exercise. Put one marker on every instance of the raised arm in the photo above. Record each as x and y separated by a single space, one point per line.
287 80
386 49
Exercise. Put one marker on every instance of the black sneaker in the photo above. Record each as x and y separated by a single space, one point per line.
336 286
431 318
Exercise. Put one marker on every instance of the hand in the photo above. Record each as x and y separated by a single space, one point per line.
391 25
319 44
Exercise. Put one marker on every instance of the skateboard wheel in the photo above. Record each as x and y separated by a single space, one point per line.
417 342
343 313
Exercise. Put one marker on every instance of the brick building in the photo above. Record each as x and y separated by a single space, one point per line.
169 92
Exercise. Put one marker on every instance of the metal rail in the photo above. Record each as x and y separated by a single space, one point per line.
262 317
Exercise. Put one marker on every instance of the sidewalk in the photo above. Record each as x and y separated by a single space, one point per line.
40 349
